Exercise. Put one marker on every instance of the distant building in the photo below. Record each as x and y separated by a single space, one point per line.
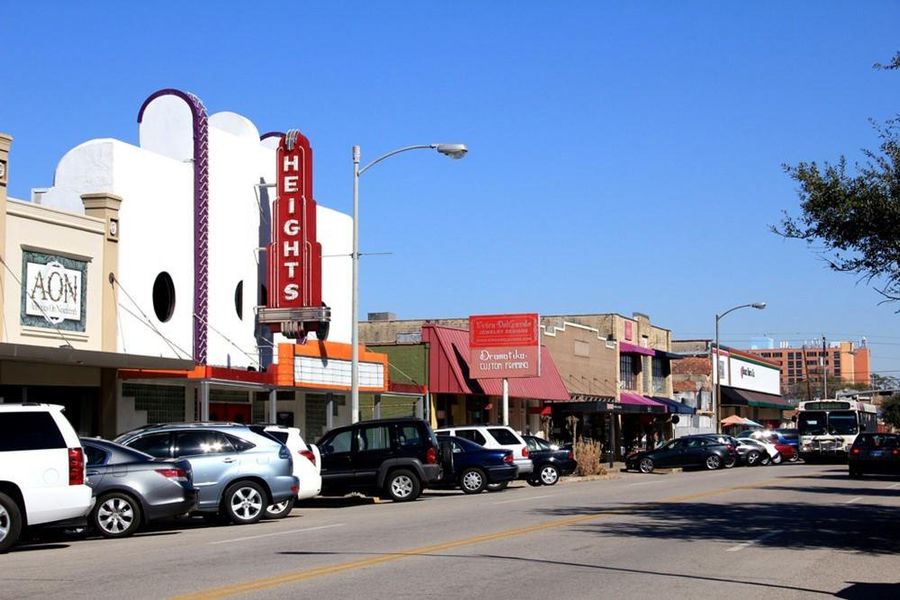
846 361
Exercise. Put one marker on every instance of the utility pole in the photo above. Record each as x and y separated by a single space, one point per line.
824 370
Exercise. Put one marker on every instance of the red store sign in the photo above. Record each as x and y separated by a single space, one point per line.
504 346
295 257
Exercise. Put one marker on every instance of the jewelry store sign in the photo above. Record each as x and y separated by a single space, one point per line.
504 346
53 291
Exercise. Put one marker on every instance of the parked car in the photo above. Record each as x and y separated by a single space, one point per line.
395 457
730 442
499 437
42 473
473 467
307 467
874 453
549 463
787 444
133 488
238 471
768 453
688 451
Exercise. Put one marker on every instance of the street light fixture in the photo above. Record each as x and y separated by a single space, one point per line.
715 366
454 151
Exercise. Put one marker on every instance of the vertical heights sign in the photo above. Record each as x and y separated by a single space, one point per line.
504 346
294 300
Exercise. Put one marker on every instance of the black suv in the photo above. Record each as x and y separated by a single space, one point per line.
396 457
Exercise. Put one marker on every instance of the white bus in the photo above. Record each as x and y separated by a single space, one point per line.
828 428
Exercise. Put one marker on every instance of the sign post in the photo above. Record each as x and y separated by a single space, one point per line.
504 346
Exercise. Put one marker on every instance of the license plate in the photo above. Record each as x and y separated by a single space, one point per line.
875 453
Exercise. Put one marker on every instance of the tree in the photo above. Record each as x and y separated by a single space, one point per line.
856 216
891 411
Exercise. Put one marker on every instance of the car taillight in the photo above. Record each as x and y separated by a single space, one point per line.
854 450
431 456
524 452
508 458
895 452
308 455
176 474
730 447
570 455
76 466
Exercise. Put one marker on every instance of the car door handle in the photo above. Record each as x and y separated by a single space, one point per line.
92 473
229 460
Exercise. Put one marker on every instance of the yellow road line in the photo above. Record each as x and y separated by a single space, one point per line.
265 583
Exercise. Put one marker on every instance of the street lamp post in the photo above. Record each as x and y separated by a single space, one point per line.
715 366
455 151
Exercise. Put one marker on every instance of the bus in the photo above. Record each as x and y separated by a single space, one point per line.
828 428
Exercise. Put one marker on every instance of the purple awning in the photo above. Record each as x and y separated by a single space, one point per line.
632 398
632 349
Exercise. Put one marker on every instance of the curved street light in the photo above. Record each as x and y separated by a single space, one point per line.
715 366
455 151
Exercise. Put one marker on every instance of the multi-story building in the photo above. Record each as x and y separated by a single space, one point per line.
844 361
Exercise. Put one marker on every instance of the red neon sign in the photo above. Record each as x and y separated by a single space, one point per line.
295 256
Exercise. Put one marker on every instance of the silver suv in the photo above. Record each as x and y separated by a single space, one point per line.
238 472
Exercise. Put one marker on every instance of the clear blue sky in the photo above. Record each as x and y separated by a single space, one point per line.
623 156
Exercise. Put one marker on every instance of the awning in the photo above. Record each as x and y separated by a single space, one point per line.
735 397
674 406
627 348
638 403
669 355
88 358
448 370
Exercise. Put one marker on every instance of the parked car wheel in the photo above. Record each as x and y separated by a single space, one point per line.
795 458
765 460
646 465
753 458
280 510
855 474
472 481
549 475
534 482
730 462
776 460
403 485
245 502
496 487
116 515
712 462
10 522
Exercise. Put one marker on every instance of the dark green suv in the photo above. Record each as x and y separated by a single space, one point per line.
397 458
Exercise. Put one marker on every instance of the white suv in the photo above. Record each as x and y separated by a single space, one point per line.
307 467
496 437
42 470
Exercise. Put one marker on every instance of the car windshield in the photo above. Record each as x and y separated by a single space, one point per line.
842 422
812 423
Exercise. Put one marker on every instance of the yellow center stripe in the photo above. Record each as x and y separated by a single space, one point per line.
257 585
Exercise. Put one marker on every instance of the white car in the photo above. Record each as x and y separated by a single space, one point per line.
307 467
766 452
42 471
496 437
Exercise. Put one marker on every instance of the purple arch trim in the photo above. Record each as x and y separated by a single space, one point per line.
201 214
278 134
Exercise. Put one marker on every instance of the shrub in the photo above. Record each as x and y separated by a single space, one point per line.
589 456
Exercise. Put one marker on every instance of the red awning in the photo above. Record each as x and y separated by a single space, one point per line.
448 370
627 348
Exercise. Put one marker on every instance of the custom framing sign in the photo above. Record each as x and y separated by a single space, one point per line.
504 346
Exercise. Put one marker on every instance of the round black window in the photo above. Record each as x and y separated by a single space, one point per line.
239 300
163 297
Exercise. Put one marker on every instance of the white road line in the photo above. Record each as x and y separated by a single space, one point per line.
524 499
852 500
265 535
752 542
893 485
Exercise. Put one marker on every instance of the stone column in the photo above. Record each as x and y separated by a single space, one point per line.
109 400
106 207
5 143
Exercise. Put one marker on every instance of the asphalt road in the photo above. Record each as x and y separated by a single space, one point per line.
788 531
